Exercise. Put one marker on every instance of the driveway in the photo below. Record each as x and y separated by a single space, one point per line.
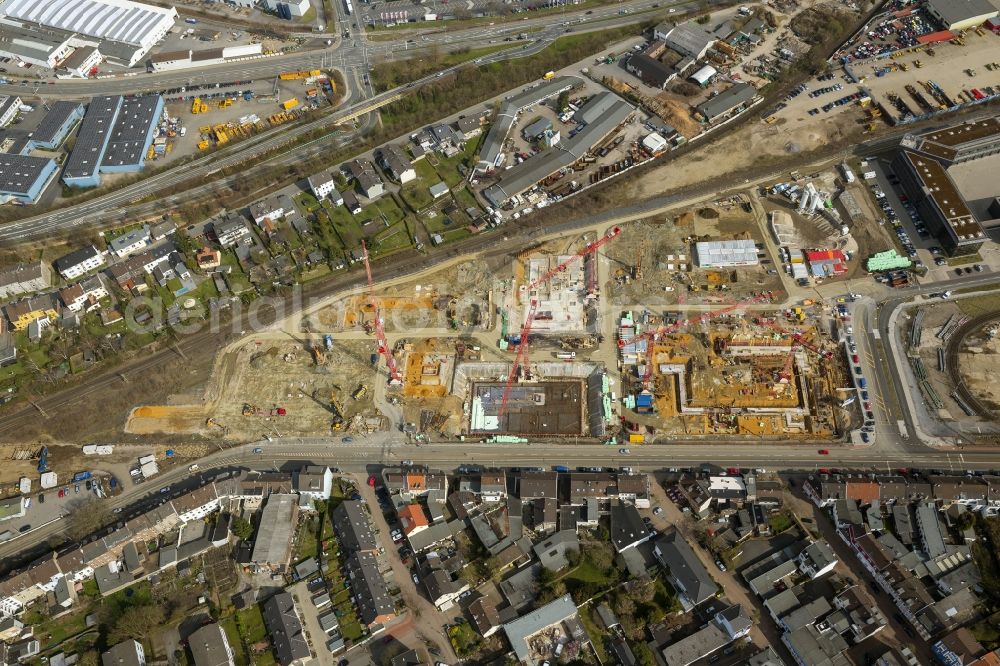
764 631
427 620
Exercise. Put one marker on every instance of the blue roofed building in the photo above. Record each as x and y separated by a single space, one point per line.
23 178
114 137
61 118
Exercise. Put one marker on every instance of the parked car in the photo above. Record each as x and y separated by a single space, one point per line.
824 452
720 565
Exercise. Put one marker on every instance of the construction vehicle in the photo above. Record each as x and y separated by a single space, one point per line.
289 104
360 392
338 413
225 103
196 105
305 74
549 76
253 410
221 137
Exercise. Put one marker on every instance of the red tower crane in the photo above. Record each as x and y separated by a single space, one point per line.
526 330
519 358
383 343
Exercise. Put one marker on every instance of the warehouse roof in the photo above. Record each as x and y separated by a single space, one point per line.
956 11
127 143
506 114
117 20
52 124
92 137
689 39
34 43
19 172
526 174
727 100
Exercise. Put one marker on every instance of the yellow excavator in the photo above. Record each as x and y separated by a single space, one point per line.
338 413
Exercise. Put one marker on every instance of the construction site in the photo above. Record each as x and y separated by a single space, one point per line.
277 388
730 372
655 261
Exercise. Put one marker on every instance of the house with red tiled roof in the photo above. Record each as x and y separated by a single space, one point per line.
413 519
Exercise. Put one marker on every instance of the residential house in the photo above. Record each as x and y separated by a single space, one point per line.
285 629
207 258
727 626
368 181
130 243
685 571
126 653
25 279
79 262
441 589
412 518
394 160
196 504
353 206
537 485
554 552
354 531
83 295
210 647
161 230
485 617
817 559
863 615
42 309
322 184
268 208
470 126
230 229
371 596
627 528
314 482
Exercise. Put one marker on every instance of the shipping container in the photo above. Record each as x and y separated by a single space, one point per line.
635 438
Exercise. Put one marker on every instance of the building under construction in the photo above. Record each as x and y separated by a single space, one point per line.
551 399
759 376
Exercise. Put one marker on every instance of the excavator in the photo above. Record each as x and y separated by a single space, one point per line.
338 413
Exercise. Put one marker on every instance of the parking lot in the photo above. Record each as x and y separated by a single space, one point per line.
48 505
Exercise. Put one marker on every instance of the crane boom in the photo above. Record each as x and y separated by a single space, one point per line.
383 343
590 247
518 359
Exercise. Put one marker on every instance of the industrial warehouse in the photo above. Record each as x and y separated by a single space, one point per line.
46 32
114 137
947 173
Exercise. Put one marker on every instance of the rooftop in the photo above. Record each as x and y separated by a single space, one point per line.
127 143
526 626
936 182
273 542
18 173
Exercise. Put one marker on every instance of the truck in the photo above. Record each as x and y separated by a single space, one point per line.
903 432
81 476
636 438
360 392
43 460
290 103
328 342
566 355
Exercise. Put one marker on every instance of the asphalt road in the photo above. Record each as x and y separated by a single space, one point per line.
368 454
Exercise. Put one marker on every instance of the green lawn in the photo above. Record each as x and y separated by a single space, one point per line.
307 202
251 624
306 545
586 572
233 636
391 240
50 632
596 634
779 522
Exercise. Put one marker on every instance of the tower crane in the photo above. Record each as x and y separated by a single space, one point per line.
383 343
526 330
519 358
